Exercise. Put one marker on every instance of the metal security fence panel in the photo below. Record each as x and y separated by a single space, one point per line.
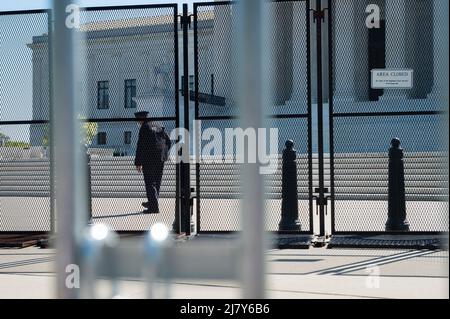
131 61
288 47
361 178
214 41
24 180
24 66
290 113
218 174
364 120
130 64
24 114
218 182
118 189
304 167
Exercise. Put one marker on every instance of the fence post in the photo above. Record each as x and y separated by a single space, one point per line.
182 222
178 197
289 202
89 185
69 176
185 165
396 189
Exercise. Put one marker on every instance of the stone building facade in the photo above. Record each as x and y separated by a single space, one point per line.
135 57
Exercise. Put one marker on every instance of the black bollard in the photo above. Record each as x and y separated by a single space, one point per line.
396 200
289 203
182 222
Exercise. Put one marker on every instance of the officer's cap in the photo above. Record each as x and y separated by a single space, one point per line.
141 115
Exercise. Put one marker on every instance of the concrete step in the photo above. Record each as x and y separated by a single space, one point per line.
385 159
219 195
227 189
383 197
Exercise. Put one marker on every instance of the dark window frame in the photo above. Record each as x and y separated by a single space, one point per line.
101 138
127 137
103 95
191 82
129 88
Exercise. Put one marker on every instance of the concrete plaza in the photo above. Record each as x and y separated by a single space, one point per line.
123 214
299 274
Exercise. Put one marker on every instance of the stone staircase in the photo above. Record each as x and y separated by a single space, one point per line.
357 177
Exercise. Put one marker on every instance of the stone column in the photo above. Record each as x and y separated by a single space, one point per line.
116 98
360 57
344 59
299 45
282 55
440 50
396 45
223 47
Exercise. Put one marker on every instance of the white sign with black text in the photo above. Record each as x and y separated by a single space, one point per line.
391 79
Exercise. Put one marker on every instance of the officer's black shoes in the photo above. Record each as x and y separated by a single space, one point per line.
149 209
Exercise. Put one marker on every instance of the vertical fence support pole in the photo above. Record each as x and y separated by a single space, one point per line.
185 165
318 16
50 154
396 200
251 101
89 184
69 160
176 224
197 127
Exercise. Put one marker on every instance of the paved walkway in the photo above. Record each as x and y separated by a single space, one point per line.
20 213
312 273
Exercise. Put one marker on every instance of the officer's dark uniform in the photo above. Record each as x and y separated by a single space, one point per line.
149 157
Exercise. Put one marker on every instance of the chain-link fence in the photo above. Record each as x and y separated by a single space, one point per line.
24 114
365 120
129 63
218 174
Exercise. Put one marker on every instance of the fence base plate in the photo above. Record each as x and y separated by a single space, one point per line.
292 241
390 241
20 240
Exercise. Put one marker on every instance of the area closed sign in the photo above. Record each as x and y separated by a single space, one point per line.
392 79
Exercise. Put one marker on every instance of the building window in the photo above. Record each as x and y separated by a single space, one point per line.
191 82
182 85
101 138
103 95
127 138
130 94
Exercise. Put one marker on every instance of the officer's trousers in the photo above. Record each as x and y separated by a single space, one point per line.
152 178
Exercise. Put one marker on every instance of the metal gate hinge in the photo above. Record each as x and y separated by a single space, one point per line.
318 190
189 20
319 14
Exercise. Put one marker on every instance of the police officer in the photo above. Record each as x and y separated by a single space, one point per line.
150 157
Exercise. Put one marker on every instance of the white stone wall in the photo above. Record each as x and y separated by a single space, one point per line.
141 56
